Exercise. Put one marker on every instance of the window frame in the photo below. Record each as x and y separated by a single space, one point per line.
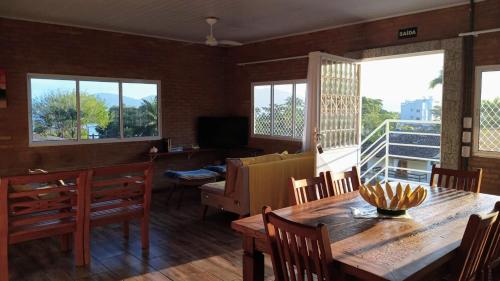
252 110
78 79
477 112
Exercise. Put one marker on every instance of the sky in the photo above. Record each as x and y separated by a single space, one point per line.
40 87
396 80
490 85
281 93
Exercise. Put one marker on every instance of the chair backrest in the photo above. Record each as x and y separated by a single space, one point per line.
37 206
456 179
492 253
467 263
306 190
343 182
117 188
298 251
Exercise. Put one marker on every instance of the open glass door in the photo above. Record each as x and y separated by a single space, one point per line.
335 111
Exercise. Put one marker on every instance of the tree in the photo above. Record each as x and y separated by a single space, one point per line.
141 121
283 114
373 115
436 81
55 114
436 110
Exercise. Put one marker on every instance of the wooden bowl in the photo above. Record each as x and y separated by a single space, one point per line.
390 202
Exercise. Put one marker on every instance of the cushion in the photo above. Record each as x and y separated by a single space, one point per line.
221 169
200 174
214 187
232 166
294 156
260 159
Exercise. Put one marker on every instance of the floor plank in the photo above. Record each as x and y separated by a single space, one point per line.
183 247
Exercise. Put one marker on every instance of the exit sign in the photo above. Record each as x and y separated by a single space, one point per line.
409 32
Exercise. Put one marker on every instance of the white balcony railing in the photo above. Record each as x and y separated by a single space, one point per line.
413 145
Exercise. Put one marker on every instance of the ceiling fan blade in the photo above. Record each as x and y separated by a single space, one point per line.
229 43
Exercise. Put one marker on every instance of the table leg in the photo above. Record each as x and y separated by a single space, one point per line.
253 261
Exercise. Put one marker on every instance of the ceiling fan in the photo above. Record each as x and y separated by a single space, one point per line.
211 41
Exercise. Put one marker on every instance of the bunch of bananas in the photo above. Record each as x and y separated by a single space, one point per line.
402 199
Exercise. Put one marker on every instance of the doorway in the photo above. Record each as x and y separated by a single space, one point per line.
401 116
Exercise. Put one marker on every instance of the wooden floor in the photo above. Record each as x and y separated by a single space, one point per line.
183 247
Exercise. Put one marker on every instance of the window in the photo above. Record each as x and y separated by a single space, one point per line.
487 113
279 109
71 110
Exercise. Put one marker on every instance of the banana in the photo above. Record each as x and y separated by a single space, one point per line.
399 191
394 202
424 196
374 200
388 188
379 190
363 193
413 198
383 203
372 189
402 199
407 191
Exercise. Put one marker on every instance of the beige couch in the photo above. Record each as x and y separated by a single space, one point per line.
256 181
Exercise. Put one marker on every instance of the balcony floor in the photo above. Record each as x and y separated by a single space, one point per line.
183 247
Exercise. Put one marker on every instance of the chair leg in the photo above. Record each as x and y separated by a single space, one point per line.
205 209
145 233
126 228
65 242
79 249
4 261
180 197
171 192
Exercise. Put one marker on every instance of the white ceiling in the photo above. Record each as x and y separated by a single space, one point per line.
241 20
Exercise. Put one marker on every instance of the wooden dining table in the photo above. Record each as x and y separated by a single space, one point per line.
377 248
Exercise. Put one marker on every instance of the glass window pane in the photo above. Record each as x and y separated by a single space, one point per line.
489 134
283 110
262 110
140 110
99 110
300 108
53 109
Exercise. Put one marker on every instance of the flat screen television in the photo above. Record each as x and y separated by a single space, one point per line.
222 132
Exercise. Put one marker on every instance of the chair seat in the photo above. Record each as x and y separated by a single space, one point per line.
114 214
221 169
41 230
201 174
214 187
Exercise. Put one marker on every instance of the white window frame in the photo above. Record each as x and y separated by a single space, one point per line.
77 78
272 84
477 113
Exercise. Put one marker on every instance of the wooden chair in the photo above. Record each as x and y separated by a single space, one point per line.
298 252
118 194
456 179
491 257
33 208
467 265
343 182
306 190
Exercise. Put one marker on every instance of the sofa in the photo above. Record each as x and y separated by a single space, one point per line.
257 181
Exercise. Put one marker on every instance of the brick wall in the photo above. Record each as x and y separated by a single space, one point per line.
192 79
433 25
196 80
486 53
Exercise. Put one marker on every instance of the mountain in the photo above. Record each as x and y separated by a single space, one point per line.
112 99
